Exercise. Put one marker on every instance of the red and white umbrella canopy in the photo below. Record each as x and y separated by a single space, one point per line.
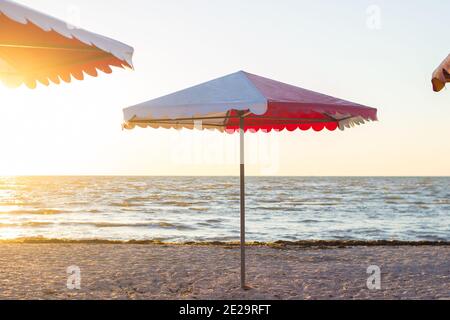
36 47
268 105
442 75
243 101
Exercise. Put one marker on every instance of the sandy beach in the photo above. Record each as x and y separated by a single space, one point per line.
146 271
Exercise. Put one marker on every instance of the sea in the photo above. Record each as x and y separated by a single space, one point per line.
204 209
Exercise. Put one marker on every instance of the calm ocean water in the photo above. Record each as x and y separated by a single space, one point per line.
204 209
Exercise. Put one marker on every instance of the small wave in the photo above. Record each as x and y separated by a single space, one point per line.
309 221
174 226
25 224
272 201
154 196
117 225
214 223
214 220
420 203
280 209
150 224
199 209
125 204
165 225
176 204
365 231
138 199
265 208
18 204
78 203
321 204
35 224
394 198
35 212
442 201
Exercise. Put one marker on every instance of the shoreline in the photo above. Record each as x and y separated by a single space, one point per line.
274 244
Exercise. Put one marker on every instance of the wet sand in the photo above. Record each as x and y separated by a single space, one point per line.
277 271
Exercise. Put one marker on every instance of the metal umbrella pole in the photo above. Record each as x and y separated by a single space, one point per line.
242 147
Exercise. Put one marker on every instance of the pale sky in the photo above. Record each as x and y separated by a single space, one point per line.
340 48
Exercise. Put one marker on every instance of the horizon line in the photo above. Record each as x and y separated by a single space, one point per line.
223 176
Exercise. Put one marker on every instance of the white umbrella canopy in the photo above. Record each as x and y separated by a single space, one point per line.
35 47
441 75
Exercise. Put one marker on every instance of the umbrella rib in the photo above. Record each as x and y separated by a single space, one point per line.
174 124
78 62
187 119
330 117
19 46
179 121
309 120
233 117
225 118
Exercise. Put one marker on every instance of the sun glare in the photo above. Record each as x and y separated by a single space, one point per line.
8 136
21 110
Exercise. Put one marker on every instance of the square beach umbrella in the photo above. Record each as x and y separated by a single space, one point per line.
247 102
36 47
441 75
